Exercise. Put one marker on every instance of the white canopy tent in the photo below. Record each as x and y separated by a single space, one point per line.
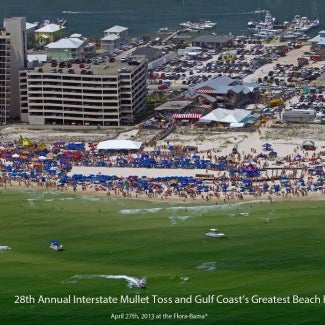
119 145
232 117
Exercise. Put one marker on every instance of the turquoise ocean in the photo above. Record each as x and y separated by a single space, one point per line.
143 17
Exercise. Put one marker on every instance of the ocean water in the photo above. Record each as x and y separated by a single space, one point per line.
143 17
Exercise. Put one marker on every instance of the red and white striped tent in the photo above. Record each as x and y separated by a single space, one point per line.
187 116
205 91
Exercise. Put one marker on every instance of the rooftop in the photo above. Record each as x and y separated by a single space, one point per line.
178 105
49 28
66 43
213 38
116 29
111 37
91 68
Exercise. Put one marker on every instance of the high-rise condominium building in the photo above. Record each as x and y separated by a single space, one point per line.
13 54
97 93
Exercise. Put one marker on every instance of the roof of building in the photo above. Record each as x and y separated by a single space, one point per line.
110 37
40 57
318 38
66 43
226 116
175 105
212 39
116 29
308 143
221 84
30 25
49 28
148 51
76 35
103 69
224 84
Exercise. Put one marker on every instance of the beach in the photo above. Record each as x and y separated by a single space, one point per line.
214 153
248 145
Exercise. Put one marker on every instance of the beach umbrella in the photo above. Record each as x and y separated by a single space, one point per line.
267 146
273 154
284 179
247 181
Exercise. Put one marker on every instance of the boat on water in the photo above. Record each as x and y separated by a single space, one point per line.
270 28
267 23
56 246
70 12
201 25
61 21
303 23
215 233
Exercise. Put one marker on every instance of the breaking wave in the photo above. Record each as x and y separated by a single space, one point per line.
138 211
207 266
177 219
131 281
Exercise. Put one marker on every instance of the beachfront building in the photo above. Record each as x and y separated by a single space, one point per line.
71 48
113 38
110 43
318 41
224 91
13 57
151 53
4 76
299 116
317 44
48 34
215 42
104 94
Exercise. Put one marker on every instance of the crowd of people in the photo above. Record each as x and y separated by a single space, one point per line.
227 177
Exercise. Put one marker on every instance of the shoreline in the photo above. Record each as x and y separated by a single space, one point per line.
218 201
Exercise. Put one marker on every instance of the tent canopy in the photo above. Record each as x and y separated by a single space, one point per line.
308 143
119 145
225 116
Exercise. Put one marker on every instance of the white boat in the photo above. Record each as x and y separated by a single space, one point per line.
315 23
186 24
215 233
61 21
304 24
204 24
259 11
142 283
55 245
208 24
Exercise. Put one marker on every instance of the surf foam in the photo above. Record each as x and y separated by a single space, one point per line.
174 220
4 248
207 266
131 281
138 211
